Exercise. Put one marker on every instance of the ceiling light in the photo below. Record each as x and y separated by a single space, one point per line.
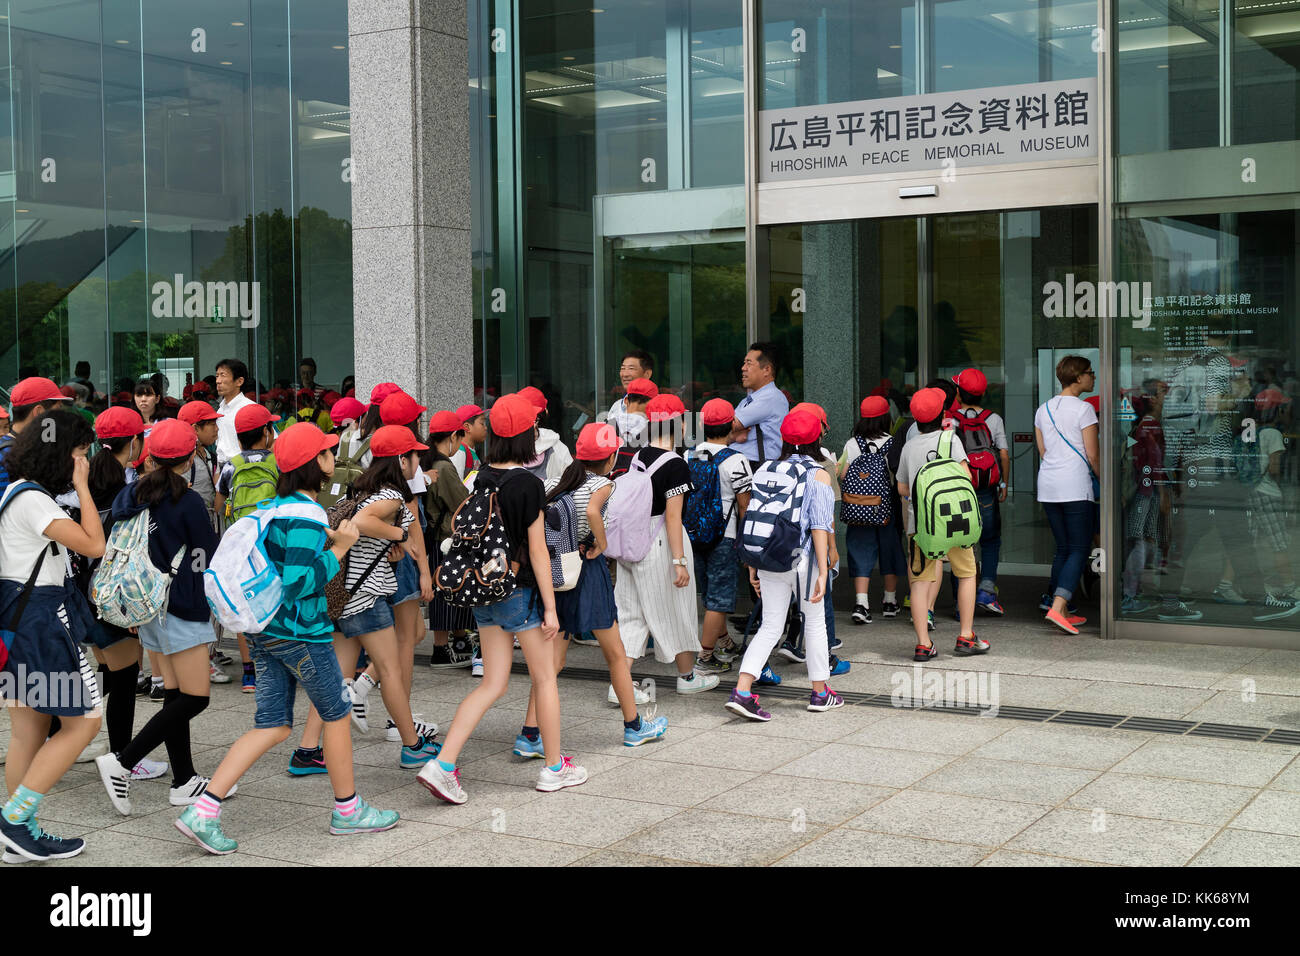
946 66
1162 66
137 220
227 63
236 23
567 58
338 46
122 41
597 10
895 46
22 210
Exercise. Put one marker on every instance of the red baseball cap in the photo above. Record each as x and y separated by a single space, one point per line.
330 399
534 396
664 407
301 443
596 442
391 440
971 380
642 386
172 438
382 391
814 409
927 404
118 422
195 412
67 391
717 411
512 415
468 412
33 390
873 406
801 427
1271 398
306 395
445 422
144 450
400 409
345 409
4 414
252 416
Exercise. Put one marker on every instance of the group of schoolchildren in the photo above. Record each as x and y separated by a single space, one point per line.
318 548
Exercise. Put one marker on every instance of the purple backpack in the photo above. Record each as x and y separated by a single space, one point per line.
630 529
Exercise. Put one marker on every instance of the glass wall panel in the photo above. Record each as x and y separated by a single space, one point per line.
717 97
980 43
1266 71
1206 430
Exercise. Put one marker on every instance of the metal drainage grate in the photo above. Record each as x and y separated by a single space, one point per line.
1083 718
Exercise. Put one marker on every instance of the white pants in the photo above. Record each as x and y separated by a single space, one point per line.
776 590
650 604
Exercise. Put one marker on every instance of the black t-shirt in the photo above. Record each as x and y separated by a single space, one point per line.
672 478
521 497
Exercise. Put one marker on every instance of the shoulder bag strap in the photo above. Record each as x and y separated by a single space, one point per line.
26 594
1048 405
762 455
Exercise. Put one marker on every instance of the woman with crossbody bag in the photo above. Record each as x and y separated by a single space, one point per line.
1065 428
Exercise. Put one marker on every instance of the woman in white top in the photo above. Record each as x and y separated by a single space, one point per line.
1065 428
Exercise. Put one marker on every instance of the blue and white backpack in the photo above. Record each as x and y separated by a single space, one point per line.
127 588
771 536
867 486
561 527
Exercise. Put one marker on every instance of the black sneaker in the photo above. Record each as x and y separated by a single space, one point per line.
835 644
1274 607
861 614
791 652
889 609
30 842
924 653
157 693
1178 611
142 684
709 664
449 655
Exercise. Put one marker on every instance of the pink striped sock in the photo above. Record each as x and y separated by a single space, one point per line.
347 806
207 806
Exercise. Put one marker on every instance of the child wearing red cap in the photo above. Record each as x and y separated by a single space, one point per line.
466 456
590 607
981 428
867 543
450 624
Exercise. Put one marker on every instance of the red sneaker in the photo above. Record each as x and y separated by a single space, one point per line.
967 646
1062 622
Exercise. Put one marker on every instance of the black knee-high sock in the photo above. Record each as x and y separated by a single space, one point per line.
171 725
55 726
119 708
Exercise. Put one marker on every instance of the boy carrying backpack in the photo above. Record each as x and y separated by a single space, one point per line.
984 438
943 520
712 513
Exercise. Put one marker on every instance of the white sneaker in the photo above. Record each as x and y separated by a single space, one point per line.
642 698
117 782
476 668
360 708
216 675
148 769
189 792
12 857
569 775
423 728
697 685
96 748
443 784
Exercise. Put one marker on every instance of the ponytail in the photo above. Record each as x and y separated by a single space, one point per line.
571 480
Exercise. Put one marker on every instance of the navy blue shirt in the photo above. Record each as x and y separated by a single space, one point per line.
176 525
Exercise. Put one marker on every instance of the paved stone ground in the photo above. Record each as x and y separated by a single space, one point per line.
861 785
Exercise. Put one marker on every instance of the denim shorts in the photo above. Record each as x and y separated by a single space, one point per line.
173 635
715 572
408 582
282 665
522 611
866 543
374 618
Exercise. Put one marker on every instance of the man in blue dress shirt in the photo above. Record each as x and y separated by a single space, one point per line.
763 409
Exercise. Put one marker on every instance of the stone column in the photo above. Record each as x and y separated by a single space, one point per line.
413 308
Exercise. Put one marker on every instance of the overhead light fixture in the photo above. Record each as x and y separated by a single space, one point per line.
895 46
236 23
568 58
227 63
122 41
946 66
137 220
338 46
22 210
697 42
597 9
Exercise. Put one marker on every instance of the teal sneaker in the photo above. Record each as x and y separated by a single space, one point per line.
529 748
366 820
206 832
414 758
651 729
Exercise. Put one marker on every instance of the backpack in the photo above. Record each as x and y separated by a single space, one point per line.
476 570
561 528
944 505
251 483
866 490
127 587
702 515
347 469
981 456
243 588
337 594
630 528
20 605
6 445
771 538
1245 455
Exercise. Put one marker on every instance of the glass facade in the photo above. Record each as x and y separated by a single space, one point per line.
176 189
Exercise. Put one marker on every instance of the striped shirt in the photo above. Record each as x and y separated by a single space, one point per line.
581 498
818 512
381 582
299 549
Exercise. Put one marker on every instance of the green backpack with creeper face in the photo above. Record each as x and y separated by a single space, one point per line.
944 504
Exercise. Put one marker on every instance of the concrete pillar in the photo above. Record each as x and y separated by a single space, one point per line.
413 308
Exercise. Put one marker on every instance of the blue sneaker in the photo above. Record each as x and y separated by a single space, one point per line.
414 758
529 748
30 842
651 729
768 676
205 832
366 820
987 602
1045 605
306 762
838 666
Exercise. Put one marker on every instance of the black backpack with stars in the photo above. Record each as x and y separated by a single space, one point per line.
476 570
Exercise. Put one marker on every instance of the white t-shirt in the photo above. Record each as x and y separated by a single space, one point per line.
1064 475
227 438
22 538
733 476
915 454
458 459
1270 441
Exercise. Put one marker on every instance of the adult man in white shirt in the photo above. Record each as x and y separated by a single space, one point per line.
231 375
636 364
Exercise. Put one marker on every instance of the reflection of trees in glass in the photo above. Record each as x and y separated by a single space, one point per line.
718 309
